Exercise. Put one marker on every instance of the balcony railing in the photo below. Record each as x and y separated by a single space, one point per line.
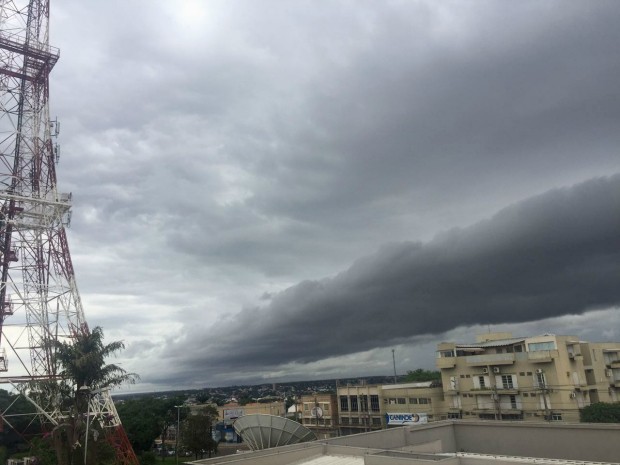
490 359
446 362
542 356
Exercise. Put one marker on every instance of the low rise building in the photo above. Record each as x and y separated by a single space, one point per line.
319 413
370 407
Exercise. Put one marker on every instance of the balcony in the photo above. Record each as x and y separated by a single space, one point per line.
507 391
489 359
542 356
446 362
614 364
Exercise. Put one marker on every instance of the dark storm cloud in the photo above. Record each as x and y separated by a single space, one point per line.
551 255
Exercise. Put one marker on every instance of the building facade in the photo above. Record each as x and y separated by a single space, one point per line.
319 413
370 407
540 378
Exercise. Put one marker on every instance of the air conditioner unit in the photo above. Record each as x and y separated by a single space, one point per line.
485 370
608 373
539 371
495 369
573 395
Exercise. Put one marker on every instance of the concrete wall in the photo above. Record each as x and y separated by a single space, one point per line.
277 456
386 460
566 441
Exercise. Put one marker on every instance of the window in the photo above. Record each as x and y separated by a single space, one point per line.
374 403
446 353
540 380
402 400
355 421
413 400
344 421
424 401
376 421
481 381
521 373
556 417
353 403
326 407
306 407
507 382
454 416
344 403
536 346
513 402
328 422
364 403
392 401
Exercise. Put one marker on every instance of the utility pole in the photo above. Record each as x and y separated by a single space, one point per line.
394 362
543 386
176 446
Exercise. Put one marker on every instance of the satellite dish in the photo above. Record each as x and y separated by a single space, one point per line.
317 412
262 431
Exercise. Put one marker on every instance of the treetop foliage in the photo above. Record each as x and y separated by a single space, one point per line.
601 412
83 361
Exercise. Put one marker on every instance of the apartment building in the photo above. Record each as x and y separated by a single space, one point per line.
538 378
319 413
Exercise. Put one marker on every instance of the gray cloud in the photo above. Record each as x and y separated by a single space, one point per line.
222 152
551 255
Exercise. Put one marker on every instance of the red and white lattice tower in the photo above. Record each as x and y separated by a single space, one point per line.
39 300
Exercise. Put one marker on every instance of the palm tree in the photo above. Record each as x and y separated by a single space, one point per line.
82 365
83 362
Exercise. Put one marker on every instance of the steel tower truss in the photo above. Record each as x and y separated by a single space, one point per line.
39 300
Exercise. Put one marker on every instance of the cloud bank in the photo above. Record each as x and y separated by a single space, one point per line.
551 255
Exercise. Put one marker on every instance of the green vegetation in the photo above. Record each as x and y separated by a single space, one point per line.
196 432
601 412
147 418
421 375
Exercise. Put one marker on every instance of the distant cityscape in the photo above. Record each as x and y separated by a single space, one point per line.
266 392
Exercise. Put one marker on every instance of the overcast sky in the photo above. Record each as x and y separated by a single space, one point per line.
284 190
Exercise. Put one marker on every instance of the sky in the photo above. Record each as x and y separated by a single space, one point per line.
277 191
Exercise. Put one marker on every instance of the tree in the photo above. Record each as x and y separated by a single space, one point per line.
147 418
82 364
196 432
421 375
600 412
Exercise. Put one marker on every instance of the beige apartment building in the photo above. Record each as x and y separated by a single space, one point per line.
536 378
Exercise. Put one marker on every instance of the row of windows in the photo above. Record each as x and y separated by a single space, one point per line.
403 400
522 373
310 405
359 403
357 421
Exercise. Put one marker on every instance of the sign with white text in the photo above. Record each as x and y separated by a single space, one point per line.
233 413
397 419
